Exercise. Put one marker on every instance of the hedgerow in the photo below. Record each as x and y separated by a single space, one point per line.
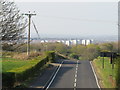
23 73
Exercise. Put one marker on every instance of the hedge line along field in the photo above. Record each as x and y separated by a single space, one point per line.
106 75
16 71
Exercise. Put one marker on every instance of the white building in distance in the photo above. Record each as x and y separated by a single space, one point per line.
79 41
74 42
68 42
84 42
42 41
87 42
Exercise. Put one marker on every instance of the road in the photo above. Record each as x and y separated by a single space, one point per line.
74 74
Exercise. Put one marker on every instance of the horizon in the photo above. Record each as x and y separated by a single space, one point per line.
72 19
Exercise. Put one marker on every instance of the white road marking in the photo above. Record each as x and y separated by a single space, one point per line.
75 79
54 75
75 75
77 66
76 72
76 69
95 76
75 82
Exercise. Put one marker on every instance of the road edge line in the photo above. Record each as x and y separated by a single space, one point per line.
95 75
53 77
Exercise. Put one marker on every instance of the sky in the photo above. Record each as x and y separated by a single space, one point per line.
72 18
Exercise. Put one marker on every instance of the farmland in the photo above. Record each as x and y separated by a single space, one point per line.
10 63
21 69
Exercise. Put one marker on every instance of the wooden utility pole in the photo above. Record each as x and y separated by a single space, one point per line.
29 20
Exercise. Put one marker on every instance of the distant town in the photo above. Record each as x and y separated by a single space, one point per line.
69 42
76 41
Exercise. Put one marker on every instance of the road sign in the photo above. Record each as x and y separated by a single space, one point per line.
112 55
108 54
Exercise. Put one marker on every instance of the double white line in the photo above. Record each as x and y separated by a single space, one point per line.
54 75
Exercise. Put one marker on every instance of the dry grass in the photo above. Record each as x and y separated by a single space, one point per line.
24 56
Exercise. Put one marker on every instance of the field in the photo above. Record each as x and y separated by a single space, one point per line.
107 75
10 63
19 70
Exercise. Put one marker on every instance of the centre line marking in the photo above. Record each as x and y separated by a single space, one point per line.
74 84
76 72
75 75
75 79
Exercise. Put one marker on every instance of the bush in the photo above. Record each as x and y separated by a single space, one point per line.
18 75
73 55
7 47
25 72
8 79
51 56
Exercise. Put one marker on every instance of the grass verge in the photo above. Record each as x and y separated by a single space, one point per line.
107 75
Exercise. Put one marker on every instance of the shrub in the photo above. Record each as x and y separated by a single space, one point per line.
51 56
25 72
8 79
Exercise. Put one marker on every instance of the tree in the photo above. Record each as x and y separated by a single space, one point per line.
61 48
12 23
91 52
107 46
78 50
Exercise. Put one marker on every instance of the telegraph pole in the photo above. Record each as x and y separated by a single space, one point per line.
29 20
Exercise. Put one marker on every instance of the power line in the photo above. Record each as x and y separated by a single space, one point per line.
36 29
81 19
38 34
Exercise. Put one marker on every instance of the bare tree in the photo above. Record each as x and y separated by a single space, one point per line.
12 23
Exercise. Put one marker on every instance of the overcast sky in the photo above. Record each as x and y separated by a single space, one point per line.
73 18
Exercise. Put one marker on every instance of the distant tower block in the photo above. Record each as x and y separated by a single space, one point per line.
42 41
84 42
74 42
79 41
68 42
88 42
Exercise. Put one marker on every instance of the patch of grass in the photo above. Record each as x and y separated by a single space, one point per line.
11 63
24 66
9 59
107 74
22 70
